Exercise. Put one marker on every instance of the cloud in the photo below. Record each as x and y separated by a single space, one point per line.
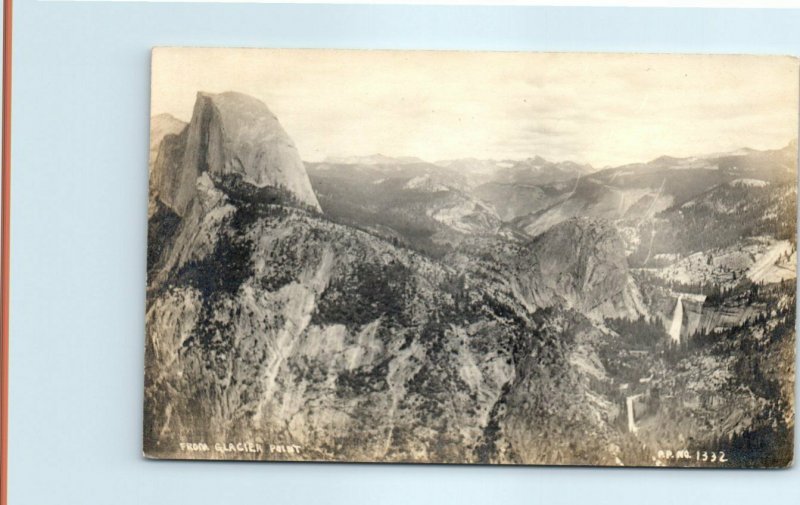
604 109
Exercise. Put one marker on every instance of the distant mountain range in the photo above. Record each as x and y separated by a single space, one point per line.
529 195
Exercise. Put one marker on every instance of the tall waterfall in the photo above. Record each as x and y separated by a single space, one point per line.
677 321
631 414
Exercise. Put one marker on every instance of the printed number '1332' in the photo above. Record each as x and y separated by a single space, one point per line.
711 456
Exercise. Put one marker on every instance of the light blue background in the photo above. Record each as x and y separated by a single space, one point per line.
80 145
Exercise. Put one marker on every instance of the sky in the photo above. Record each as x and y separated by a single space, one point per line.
602 109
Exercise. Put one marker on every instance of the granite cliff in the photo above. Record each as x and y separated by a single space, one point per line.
230 133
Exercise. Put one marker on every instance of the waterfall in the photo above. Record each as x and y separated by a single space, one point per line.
631 415
677 322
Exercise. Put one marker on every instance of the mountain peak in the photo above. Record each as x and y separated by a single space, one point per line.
165 116
372 159
231 133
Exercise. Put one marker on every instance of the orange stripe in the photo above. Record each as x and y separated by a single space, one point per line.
4 251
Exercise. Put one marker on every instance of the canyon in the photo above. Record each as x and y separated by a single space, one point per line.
398 310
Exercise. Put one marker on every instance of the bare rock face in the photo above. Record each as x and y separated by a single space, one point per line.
268 322
580 264
276 324
162 125
229 134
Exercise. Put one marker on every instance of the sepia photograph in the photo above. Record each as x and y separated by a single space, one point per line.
506 258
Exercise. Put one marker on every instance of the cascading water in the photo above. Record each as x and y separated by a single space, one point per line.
677 321
631 414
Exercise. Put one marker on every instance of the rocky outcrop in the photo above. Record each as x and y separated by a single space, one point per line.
282 326
162 125
229 134
692 314
580 264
